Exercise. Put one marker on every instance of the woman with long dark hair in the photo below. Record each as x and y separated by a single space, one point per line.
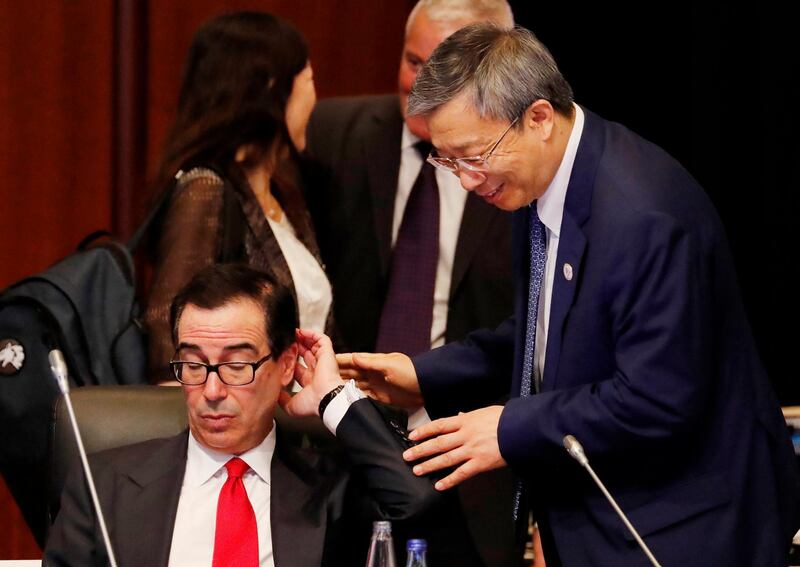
244 104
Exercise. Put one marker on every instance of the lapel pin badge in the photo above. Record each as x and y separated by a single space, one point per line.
568 271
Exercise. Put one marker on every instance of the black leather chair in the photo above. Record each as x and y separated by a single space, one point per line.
113 416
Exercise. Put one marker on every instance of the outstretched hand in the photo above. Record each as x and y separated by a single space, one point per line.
467 441
319 376
388 378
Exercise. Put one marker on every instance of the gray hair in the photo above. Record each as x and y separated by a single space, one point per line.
504 71
453 11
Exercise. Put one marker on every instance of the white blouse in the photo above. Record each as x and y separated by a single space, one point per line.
311 285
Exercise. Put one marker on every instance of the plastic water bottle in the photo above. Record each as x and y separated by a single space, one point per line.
416 553
381 550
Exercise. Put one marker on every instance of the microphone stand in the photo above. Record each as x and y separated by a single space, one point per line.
59 369
575 449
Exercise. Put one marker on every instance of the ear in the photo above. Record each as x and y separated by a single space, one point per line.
286 363
243 153
540 116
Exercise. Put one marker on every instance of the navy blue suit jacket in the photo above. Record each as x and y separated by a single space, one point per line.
650 363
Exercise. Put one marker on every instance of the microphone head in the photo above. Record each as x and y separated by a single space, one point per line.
575 449
59 369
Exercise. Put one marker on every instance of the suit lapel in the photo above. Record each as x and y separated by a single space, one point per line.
297 510
382 148
572 242
478 216
570 252
148 503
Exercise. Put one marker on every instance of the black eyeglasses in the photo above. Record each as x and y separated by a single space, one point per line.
235 373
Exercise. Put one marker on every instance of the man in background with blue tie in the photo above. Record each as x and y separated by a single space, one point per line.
628 330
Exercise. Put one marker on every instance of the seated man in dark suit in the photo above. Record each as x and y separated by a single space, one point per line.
231 490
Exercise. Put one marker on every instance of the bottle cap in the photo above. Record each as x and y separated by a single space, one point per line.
382 526
417 545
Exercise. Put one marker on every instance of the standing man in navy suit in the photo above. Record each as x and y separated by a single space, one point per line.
628 330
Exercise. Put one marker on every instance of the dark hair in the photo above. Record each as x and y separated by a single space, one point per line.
220 284
237 79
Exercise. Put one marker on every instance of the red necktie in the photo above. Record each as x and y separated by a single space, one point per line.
236 538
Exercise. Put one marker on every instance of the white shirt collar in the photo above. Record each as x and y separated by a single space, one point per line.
203 463
550 206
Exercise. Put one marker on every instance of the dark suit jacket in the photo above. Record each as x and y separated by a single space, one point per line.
351 184
139 488
355 143
650 364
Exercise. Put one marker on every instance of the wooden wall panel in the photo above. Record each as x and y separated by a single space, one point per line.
55 143
55 129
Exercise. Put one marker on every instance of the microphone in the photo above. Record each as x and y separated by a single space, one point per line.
575 450
59 369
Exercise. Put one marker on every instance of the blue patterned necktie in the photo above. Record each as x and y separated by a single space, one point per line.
538 244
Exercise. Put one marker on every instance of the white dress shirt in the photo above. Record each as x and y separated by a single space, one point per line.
550 208
452 198
196 519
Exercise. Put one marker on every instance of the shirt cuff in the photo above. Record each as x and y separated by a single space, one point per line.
339 405
417 418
